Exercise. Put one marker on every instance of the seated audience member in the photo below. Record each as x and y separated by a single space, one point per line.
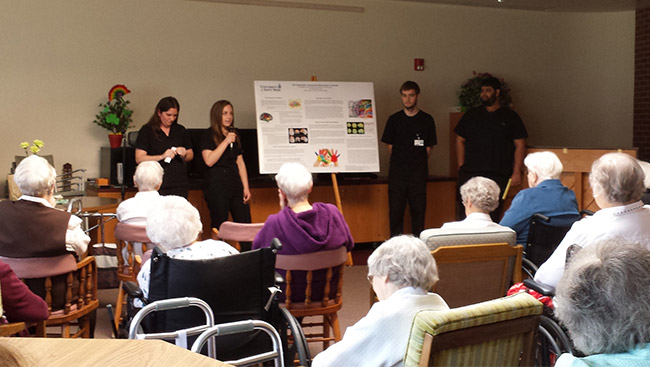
148 178
603 301
546 195
480 197
18 302
174 225
300 226
616 180
646 183
31 226
401 272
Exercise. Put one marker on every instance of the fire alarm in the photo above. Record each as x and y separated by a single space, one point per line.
418 64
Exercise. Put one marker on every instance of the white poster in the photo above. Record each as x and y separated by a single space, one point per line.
326 126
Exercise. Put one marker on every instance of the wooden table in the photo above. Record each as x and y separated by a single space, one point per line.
104 352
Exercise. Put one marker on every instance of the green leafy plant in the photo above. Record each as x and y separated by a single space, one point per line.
115 115
469 94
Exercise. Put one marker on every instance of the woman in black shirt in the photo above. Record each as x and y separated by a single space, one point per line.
162 139
226 185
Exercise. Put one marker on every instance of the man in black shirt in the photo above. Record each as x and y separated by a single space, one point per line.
410 134
490 142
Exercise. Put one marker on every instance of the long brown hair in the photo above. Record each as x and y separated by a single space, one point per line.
163 105
216 120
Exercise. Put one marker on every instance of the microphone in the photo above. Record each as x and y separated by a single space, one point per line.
231 129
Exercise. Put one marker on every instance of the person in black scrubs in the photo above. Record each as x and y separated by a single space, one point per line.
226 182
163 140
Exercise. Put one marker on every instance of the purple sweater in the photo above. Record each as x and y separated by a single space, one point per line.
319 229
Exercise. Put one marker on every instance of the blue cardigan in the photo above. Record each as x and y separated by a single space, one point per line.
549 197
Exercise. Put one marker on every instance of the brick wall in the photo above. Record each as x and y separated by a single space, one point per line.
641 130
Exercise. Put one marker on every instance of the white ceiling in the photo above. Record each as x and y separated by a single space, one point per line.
545 5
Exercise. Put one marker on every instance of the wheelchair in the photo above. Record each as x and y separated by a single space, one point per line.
236 287
553 340
544 235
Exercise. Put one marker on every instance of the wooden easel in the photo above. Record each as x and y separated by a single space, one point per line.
337 195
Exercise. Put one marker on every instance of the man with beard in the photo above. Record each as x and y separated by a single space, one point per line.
490 142
409 134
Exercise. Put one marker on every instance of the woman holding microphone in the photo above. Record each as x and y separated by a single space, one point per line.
226 182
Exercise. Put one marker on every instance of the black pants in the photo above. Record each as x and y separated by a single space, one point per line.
502 182
226 195
407 186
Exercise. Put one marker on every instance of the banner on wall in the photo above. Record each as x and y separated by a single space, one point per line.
326 126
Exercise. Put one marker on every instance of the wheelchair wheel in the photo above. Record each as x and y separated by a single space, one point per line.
552 342
295 344
528 267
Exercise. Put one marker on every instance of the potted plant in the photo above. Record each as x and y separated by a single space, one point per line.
115 115
469 94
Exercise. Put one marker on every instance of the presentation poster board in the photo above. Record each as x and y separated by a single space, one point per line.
326 126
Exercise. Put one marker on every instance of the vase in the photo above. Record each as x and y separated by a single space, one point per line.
115 140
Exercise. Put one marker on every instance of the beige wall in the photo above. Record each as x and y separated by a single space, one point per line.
571 74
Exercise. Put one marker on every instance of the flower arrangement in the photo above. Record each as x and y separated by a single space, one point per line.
469 94
115 115
38 144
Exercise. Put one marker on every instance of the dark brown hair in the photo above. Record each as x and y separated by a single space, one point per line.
216 120
163 105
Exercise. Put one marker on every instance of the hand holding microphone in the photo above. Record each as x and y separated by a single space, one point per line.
231 129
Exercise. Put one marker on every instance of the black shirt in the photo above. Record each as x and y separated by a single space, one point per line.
157 143
410 137
489 139
226 166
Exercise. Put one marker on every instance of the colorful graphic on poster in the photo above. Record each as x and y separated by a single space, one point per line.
361 108
327 158
356 128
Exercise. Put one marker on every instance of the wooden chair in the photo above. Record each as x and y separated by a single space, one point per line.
16 328
499 332
132 240
476 273
234 233
60 279
315 302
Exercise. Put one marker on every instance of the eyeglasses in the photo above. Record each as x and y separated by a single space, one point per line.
370 277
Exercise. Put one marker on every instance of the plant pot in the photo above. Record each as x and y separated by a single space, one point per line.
115 140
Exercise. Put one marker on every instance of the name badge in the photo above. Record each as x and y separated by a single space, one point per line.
418 142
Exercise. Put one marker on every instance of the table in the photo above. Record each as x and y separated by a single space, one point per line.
104 352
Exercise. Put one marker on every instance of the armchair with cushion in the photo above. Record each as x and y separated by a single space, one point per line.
234 233
499 332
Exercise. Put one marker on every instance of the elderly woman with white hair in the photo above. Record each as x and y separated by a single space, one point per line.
148 177
401 272
603 301
616 180
546 196
480 197
174 225
32 226
300 226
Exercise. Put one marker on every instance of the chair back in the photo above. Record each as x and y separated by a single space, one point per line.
545 235
132 241
499 332
236 287
452 237
234 233
314 276
68 287
476 273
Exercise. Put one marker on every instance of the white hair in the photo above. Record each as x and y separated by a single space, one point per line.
34 176
645 166
295 181
603 297
148 176
617 177
482 192
406 261
546 165
173 222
